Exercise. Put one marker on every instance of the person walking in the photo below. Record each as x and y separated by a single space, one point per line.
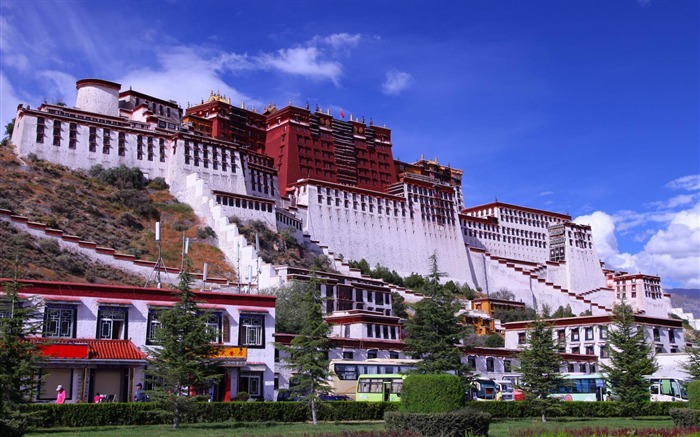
61 396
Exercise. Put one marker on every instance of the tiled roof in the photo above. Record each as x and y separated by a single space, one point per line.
97 349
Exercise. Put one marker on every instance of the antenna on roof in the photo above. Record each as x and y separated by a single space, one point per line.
160 264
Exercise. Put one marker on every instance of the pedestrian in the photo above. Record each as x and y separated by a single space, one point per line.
61 396
499 395
139 396
98 398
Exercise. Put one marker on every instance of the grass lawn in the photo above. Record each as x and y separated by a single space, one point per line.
499 428
503 427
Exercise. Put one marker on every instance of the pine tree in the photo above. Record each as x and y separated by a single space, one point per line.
631 358
18 357
308 351
540 365
434 334
182 361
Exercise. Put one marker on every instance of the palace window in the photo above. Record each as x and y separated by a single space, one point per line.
40 126
252 330
161 149
671 336
112 323
574 334
56 133
603 332
59 321
589 333
489 364
372 353
106 141
348 355
471 362
522 338
72 135
149 142
507 366
92 139
121 147
139 147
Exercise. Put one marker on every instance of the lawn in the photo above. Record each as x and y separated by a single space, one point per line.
499 428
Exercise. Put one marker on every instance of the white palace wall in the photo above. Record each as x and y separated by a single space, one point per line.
397 242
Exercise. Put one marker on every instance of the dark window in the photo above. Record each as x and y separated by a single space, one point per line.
72 136
506 365
522 338
348 355
60 321
112 323
106 141
574 335
471 362
40 126
121 145
251 383
92 139
56 133
589 333
372 353
214 326
252 330
394 355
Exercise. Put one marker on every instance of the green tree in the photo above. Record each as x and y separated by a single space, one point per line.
435 332
182 360
414 281
494 340
290 312
540 365
18 357
308 351
692 365
631 358
398 305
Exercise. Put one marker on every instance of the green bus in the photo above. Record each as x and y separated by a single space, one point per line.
379 387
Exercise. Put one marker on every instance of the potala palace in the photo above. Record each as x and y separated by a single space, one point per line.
335 184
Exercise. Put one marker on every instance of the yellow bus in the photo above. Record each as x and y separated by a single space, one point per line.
379 388
345 373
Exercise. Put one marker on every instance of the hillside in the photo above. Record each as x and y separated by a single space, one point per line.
97 207
686 298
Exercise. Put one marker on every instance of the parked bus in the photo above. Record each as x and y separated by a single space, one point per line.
345 373
578 387
666 389
483 390
379 387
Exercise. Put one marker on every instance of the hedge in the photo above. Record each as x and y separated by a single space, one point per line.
149 413
466 421
432 393
572 409
685 417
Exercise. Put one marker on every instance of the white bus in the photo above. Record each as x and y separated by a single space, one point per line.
667 389
345 373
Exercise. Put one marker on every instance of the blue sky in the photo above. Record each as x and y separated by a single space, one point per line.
583 107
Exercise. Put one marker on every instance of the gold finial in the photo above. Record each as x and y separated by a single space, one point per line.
242 105
329 111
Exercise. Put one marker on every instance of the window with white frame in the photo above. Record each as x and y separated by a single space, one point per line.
59 321
112 323
153 326
251 383
214 326
252 330
589 333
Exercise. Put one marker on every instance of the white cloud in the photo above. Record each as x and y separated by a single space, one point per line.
8 102
546 193
339 42
303 61
672 248
58 86
688 183
190 77
396 81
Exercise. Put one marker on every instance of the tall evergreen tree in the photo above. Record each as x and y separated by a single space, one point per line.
19 319
435 333
182 360
631 358
540 366
308 351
